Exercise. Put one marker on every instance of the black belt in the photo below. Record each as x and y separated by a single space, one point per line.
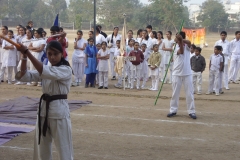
48 99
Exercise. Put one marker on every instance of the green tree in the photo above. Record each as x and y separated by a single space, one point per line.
80 11
112 11
213 15
3 8
169 13
43 15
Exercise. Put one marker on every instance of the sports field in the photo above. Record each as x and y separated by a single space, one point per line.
125 125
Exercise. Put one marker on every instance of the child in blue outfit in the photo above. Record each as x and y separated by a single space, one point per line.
91 63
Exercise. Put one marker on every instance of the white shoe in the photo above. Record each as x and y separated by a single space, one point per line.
18 83
34 84
138 88
28 84
199 93
39 85
217 94
227 88
208 93
9 83
131 87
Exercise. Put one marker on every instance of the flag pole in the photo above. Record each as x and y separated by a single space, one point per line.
180 29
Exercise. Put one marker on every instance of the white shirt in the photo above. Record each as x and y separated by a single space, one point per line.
9 56
192 54
154 41
117 52
148 43
100 38
160 47
26 42
19 38
114 38
235 47
77 53
225 45
55 81
38 43
103 63
128 40
181 63
215 62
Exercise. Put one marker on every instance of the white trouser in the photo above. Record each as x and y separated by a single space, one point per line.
15 67
234 67
97 78
197 81
1 73
170 72
145 78
128 71
135 71
225 75
220 79
155 81
58 130
9 73
112 63
78 70
3 69
213 81
103 78
177 82
161 73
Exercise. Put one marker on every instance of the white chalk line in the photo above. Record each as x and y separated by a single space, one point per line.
140 135
141 108
157 120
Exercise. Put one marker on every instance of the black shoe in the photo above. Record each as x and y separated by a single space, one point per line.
171 114
113 78
105 87
92 85
193 116
86 85
2 80
101 87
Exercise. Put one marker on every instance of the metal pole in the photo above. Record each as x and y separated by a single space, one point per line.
94 22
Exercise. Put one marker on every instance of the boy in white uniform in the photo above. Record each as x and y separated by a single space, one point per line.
235 58
215 66
182 75
103 56
226 52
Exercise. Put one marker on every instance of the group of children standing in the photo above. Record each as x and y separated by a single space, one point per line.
218 65
150 51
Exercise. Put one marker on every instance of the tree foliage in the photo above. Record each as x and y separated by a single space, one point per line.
213 15
41 13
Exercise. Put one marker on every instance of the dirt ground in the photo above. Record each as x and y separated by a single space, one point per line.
125 125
